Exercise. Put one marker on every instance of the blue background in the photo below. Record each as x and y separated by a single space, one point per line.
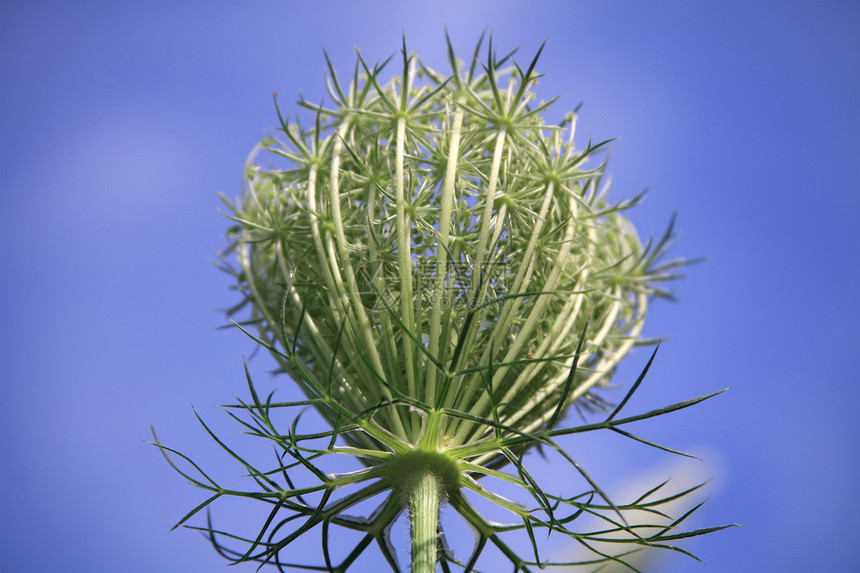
121 121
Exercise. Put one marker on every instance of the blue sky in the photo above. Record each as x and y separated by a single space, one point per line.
122 120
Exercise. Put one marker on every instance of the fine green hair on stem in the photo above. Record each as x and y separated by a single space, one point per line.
441 273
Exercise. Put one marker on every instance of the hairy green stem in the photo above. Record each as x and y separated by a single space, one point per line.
424 495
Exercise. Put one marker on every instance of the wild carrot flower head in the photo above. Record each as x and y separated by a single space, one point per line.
443 275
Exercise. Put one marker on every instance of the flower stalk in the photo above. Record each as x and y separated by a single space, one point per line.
423 503
440 272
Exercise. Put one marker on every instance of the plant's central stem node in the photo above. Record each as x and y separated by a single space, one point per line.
408 468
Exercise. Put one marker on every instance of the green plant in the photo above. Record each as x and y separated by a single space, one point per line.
441 274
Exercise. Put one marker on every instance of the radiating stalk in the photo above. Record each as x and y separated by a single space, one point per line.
404 257
490 199
364 328
520 284
447 201
376 273
311 197
531 322
483 239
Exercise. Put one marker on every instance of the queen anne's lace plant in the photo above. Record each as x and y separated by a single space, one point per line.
442 275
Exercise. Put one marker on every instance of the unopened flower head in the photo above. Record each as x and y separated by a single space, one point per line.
430 229
441 272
